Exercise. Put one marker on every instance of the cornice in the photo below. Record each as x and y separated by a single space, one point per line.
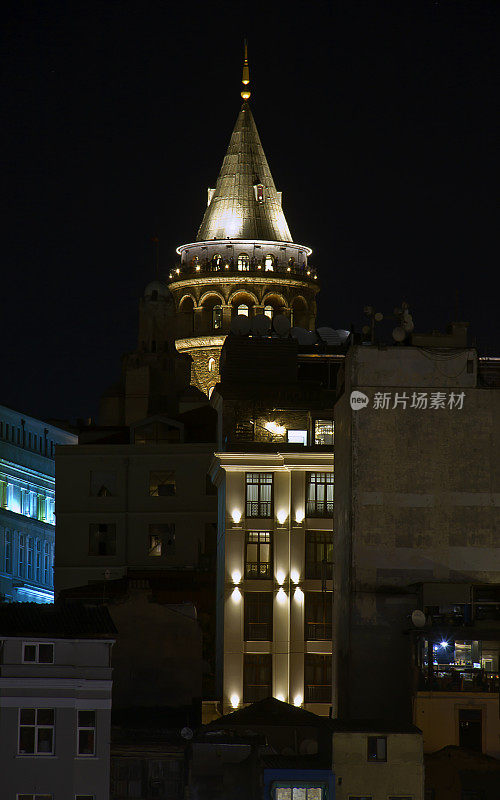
245 279
199 341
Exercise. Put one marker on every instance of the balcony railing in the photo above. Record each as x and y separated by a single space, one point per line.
319 570
259 508
259 632
318 631
258 569
453 680
319 508
319 693
230 267
253 692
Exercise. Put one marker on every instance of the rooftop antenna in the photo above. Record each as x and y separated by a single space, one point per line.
245 78
156 245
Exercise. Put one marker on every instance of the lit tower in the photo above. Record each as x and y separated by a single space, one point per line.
244 261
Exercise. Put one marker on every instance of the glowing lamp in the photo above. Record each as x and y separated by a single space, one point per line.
280 577
280 697
444 644
234 700
236 595
299 595
273 427
297 700
299 515
294 574
236 576
236 515
282 516
281 596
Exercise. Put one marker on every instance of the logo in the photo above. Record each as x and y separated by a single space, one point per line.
358 400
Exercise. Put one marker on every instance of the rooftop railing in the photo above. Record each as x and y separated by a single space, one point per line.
255 267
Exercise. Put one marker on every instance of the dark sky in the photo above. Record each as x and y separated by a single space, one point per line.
378 120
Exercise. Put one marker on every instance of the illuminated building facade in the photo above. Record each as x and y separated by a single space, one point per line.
243 262
27 506
274 473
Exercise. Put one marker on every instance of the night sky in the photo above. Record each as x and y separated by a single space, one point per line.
378 120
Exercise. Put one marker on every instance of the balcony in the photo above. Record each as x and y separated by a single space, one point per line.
256 268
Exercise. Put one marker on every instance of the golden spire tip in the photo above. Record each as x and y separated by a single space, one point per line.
245 79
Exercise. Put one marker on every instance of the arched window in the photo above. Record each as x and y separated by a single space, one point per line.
210 392
268 311
216 262
242 310
269 263
243 262
217 317
211 364
291 262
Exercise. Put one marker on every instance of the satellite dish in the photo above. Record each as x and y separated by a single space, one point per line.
281 324
260 324
399 334
329 336
187 733
240 325
344 335
418 618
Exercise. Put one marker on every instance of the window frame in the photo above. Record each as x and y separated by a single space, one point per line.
267 664
259 574
259 502
376 759
314 568
312 601
107 532
322 421
326 665
319 509
36 727
36 796
37 652
159 530
172 483
260 601
90 728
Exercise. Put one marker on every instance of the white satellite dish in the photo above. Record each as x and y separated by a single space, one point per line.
329 336
418 618
240 325
344 335
399 334
260 324
281 324
187 733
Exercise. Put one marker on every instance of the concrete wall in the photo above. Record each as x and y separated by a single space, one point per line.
437 715
402 775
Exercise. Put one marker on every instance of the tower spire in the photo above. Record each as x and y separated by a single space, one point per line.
245 78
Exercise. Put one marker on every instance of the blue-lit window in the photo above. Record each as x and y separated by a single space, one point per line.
46 562
8 552
22 556
31 552
38 571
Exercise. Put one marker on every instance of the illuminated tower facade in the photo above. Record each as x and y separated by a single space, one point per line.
243 261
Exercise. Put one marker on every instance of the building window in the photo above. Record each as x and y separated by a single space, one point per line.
216 318
21 567
243 262
258 555
216 262
86 733
323 431
102 483
102 539
8 552
34 796
38 653
318 678
376 749
84 796
36 731
40 507
470 728
46 562
268 311
319 555
38 570
162 539
302 792
31 553
296 437
258 616
318 617
242 310
269 263
3 494
211 364
162 483
259 494
257 677
319 494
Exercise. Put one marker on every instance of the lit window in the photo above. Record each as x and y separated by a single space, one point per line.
216 317
296 437
162 483
258 554
258 613
318 678
8 552
299 792
323 431
216 262
46 563
211 364
102 540
318 616
259 494
31 553
269 263
38 653
257 677
319 494
22 556
38 571
268 311
242 310
319 555
377 748
86 733
243 262
36 731
162 539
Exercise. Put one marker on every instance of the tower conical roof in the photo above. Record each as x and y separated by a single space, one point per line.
238 209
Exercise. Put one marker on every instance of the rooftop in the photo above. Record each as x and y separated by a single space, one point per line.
59 620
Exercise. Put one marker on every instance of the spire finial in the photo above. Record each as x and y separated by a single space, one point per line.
245 78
